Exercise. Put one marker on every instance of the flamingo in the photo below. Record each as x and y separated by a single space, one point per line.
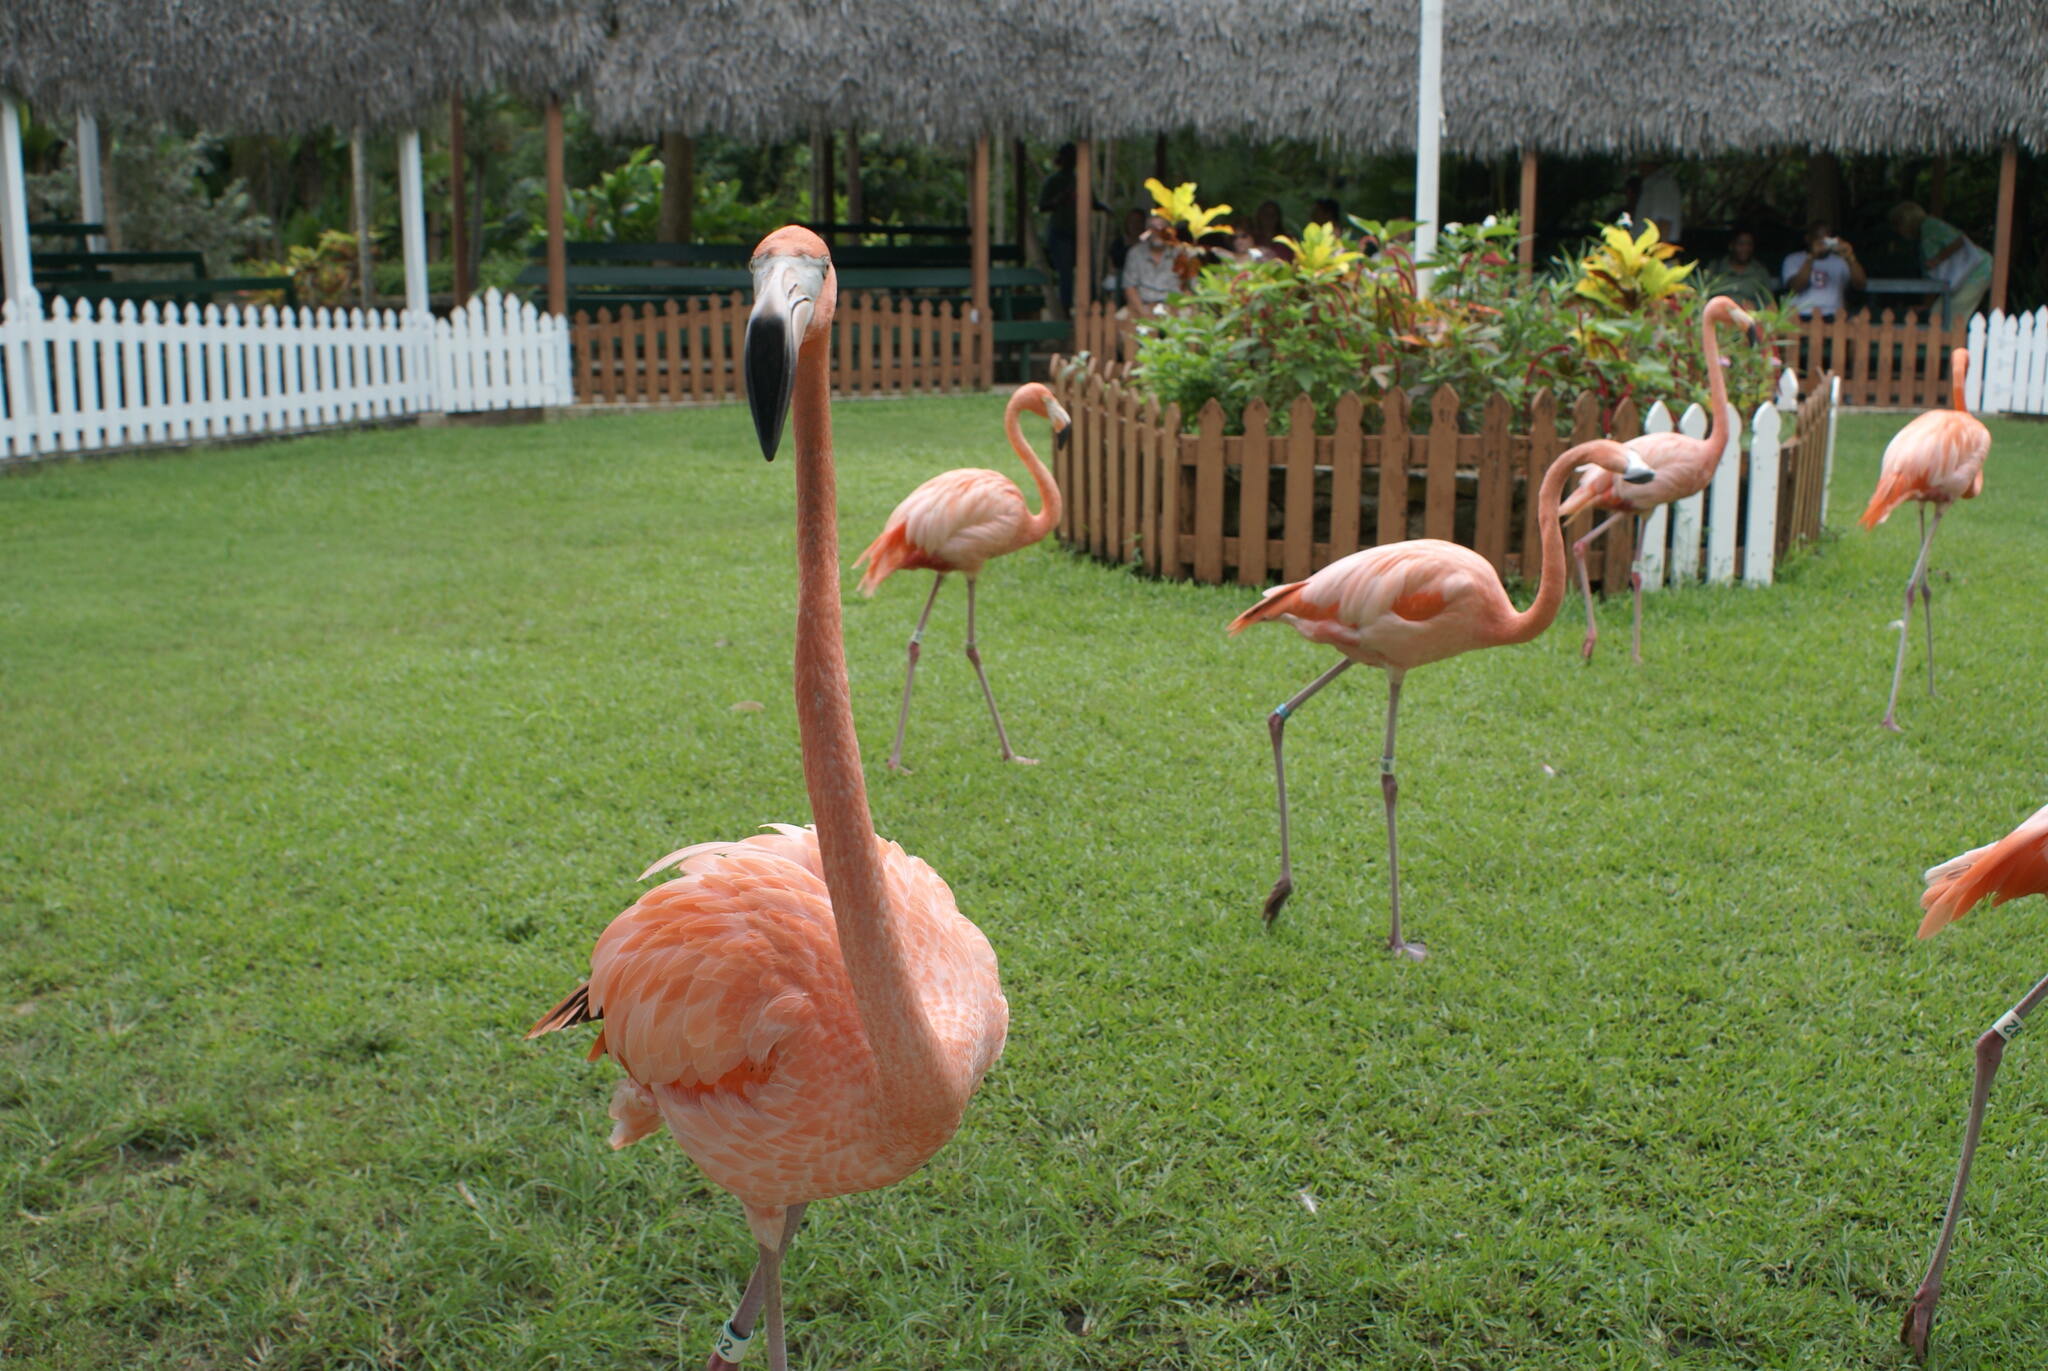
1683 466
960 521
1935 460
2015 865
1402 605
806 1009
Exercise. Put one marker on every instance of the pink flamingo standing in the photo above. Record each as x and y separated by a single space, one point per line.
806 1010
1935 460
1683 466
2015 865
960 521
1401 605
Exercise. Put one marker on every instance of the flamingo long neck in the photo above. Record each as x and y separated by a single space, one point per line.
1958 365
871 941
1717 384
1530 623
1049 505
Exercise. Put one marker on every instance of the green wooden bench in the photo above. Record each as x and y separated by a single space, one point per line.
177 290
78 232
93 266
738 254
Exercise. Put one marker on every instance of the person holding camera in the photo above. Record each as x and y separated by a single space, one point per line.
1819 276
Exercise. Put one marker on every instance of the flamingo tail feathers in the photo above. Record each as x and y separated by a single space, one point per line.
2002 871
574 1009
1279 600
1894 488
885 556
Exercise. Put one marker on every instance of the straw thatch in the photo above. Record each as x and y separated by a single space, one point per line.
1564 76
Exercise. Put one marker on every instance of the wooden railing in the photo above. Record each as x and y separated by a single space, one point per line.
882 345
1202 506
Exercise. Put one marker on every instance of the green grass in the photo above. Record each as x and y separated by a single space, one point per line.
322 763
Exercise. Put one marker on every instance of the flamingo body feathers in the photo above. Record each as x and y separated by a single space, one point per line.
956 521
2015 865
1939 457
1398 605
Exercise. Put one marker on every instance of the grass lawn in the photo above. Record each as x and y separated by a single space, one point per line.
322 763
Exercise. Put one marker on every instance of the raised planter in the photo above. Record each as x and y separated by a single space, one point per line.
1213 507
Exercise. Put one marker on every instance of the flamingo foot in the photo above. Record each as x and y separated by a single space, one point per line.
1586 647
1282 888
1636 655
1021 760
1919 1324
897 768
1890 724
1414 952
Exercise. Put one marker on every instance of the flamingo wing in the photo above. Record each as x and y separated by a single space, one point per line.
1399 604
955 521
1939 456
2015 865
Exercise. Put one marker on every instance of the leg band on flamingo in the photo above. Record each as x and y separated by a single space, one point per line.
731 1345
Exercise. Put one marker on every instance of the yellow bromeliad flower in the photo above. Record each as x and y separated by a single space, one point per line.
1179 207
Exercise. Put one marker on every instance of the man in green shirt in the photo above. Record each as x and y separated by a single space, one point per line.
1947 255
1740 276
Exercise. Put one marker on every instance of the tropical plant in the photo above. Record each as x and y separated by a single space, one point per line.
1628 274
623 205
322 274
1180 208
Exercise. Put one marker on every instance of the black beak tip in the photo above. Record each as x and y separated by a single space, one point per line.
1639 478
768 380
1060 436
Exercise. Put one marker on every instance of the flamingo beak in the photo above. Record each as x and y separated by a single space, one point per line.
1062 422
785 293
1639 472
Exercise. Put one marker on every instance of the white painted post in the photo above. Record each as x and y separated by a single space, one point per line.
1973 384
1655 525
14 251
1429 129
92 196
1760 537
1687 514
422 389
2031 392
1724 500
63 412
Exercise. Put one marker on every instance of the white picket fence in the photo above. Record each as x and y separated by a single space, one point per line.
1718 520
79 377
2008 363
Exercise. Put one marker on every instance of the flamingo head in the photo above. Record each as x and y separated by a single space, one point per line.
1038 398
1725 308
794 294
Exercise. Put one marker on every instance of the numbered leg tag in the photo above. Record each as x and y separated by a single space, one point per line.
730 1346
2008 1025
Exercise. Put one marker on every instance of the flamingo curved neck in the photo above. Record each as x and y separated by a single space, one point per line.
1049 504
1542 611
1717 382
1958 365
907 1056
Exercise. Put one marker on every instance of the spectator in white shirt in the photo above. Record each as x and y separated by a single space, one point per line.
1818 276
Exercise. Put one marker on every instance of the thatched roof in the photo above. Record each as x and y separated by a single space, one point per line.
1567 76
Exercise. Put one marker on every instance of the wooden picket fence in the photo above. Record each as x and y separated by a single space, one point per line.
690 350
1882 361
2008 363
1201 506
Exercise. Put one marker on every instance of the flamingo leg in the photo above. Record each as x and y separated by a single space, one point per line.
1913 584
731 1346
1927 609
1990 1051
1389 791
1276 724
1586 584
1635 586
910 675
974 656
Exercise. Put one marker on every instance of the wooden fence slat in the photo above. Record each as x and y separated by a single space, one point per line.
1098 441
1440 491
1299 492
1208 531
1149 450
1176 454
1110 515
1135 443
1759 536
1393 466
1496 491
1254 494
1346 475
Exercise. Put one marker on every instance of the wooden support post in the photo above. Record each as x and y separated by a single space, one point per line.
678 187
1084 214
1159 157
558 204
14 250
978 220
1020 186
2001 242
1525 246
412 221
856 204
1937 193
359 197
821 182
92 200
458 204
